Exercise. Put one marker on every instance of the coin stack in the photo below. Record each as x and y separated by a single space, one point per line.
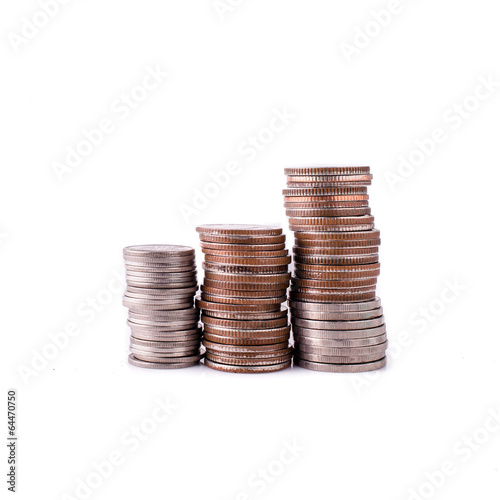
161 285
245 326
337 319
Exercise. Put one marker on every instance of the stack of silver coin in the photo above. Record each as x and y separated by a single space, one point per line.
246 329
164 323
337 319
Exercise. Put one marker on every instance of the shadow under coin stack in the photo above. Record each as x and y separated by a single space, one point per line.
245 327
161 285
337 321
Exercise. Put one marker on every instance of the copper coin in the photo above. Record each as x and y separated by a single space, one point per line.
242 229
217 306
331 191
247 369
249 270
344 368
353 297
235 332
331 221
358 235
248 278
214 346
326 292
334 252
243 239
247 341
158 251
249 261
242 294
245 254
230 247
324 204
336 260
221 299
301 283
244 325
325 170
245 357
277 287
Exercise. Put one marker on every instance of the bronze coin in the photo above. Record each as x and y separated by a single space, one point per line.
259 348
242 239
333 269
325 275
331 191
278 332
247 341
248 278
329 178
217 306
240 361
244 325
323 205
323 170
249 261
239 229
331 221
333 290
245 254
243 294
248 316
238 247
236 286
243 300
334 244
316 199
336 229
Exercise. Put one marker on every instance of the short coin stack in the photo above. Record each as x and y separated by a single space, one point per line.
161 285
245 327
337 320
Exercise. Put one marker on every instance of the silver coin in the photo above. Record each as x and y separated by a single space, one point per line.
174 275
162 284
177 336
336 368
315 342
338 325
164 352
318 358
337 316
158 251
160 292
340 334
173 359
340 351
342 307
247 369
165 326
138 343
174 315
162 366
144 308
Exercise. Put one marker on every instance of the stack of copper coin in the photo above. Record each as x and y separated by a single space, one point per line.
161 285
337 320
245 326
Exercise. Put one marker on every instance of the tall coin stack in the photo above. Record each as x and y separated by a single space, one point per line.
245 327
337 320
161 285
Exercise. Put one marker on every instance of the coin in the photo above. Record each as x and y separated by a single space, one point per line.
311 213
313 341
322 179
243 239
332 197
277 287
345 368
242 361
334 251
337 260
338 325
214 346
377 350
243 300
334 244
239 229
332 236
216 306
334 229
246 316
325 204
339 334
325 170
337 316
247 369
245 253
205 246
244 325
255 270
247 278
247 341
243 294
352 297
165 366
249 261
158 251
351 307
330 191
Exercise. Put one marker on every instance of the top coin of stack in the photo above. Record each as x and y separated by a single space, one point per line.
161 285
246 329
337 320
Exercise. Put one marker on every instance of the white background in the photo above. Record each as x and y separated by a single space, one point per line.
360 437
